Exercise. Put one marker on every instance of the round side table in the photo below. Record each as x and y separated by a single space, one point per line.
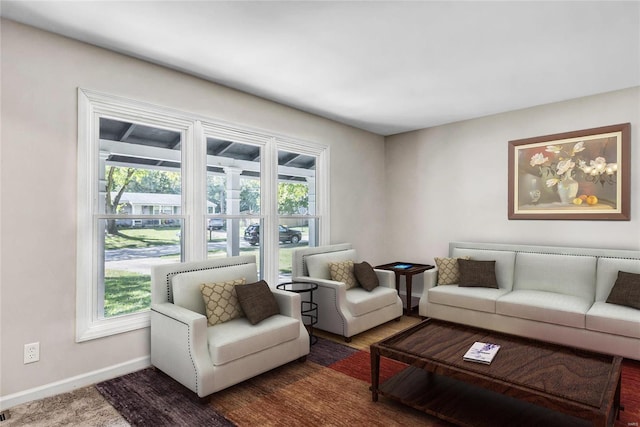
308 309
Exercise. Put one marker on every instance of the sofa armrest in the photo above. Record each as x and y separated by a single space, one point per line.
431 278
288 302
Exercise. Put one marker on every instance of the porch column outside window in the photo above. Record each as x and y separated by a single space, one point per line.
233 208
311 183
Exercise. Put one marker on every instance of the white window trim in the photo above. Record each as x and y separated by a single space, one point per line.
92 105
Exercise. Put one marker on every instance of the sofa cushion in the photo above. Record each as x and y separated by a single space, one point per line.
505 261
479 299
318 264
475 273
448 270
221 301
549 307
257 301
561 274
343 272
366 275
360 301
186 286
237 338
614 319
607 274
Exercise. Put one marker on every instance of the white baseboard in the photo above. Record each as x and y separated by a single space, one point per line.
73 383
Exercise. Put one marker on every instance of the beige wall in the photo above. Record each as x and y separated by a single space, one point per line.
449 183
40 76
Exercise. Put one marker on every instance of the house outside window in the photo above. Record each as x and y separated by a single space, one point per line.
157 185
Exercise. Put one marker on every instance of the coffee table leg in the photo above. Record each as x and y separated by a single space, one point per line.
375 373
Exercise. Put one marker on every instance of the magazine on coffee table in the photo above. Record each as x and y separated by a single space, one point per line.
481 352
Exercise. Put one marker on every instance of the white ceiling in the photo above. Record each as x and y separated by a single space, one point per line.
383 66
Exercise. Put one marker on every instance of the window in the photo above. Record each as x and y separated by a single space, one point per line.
157 185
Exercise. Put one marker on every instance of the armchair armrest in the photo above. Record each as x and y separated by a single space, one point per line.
338 287
179 344
288 302
386 278
178 313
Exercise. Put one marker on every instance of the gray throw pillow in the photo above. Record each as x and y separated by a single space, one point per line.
257 301
477 273
626 290
365 275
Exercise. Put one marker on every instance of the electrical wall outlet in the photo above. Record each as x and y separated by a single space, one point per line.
31 352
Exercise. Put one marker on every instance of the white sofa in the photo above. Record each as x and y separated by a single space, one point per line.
555 294
207 359
341 311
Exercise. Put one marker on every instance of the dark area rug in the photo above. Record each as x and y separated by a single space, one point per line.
151 398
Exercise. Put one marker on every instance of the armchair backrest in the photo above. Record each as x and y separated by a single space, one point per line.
325 254
179 283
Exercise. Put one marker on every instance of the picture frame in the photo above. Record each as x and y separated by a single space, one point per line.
578 175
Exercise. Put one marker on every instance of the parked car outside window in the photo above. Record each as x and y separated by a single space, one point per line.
252 234
216 224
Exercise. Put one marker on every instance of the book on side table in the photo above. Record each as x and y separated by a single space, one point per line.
481 352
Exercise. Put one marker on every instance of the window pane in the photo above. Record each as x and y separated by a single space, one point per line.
296 184
219 246
233 188
140 168
128 256
293 233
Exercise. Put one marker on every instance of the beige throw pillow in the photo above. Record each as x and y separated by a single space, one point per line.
448 271
343 272
221 301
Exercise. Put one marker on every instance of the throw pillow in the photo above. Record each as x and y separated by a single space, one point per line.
626 290
477 273
257 301
221 301
448 271
343 272
365 275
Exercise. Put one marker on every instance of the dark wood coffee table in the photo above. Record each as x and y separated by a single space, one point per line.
529 383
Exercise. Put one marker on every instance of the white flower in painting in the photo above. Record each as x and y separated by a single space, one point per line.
578 147
552 181
538 159
553 149
565 166
599 164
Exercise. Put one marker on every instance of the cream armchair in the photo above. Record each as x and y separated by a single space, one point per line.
207 359
341 311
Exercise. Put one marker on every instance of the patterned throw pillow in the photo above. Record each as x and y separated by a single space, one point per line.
479 274
343 272
257 301
448 271
626 290
221 301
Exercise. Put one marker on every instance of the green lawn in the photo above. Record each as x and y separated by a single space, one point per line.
143 238
126 292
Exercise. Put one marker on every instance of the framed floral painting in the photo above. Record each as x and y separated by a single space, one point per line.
574 175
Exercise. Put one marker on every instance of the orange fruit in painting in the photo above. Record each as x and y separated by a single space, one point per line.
577 201
583 197
592 200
